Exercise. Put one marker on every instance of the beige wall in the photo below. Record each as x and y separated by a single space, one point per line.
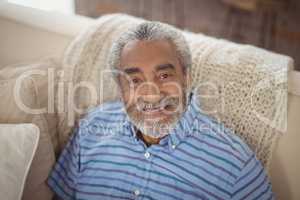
28 34
23 42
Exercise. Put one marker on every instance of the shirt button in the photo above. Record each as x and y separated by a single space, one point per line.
173 146
147 154
136 192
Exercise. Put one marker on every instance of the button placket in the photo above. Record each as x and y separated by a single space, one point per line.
149 156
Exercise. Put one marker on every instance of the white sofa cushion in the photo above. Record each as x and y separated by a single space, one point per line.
18 143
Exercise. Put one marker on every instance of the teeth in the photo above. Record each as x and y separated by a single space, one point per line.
150 107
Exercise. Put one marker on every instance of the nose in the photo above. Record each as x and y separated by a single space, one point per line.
150 93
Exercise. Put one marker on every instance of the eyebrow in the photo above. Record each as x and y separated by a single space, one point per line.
165 66
132 70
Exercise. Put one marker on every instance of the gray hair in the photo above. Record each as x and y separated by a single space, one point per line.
152 31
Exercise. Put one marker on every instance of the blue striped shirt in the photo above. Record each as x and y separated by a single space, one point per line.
199 159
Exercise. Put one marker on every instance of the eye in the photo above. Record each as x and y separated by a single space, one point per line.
164 76
135 80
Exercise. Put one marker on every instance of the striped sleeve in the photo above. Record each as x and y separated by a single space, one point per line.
253 183
62 179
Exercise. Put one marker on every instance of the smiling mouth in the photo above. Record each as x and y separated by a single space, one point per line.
164 107
158 109
151 110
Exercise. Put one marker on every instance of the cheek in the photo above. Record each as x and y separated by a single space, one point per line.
125 90
173 89
129 97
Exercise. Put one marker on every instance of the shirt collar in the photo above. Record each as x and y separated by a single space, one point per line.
181 129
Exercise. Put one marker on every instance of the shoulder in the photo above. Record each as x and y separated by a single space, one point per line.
108 109
103 119
223 141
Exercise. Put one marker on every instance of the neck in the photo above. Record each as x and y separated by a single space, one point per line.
147 139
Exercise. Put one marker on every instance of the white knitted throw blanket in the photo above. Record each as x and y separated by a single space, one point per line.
247 85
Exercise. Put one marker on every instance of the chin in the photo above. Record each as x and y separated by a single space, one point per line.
154 127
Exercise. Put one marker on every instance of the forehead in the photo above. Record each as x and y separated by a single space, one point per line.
140 53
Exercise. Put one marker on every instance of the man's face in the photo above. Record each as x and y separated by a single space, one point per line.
153 85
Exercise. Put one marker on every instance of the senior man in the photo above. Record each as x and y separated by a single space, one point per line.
155 143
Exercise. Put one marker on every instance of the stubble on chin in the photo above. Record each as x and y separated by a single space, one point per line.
157 127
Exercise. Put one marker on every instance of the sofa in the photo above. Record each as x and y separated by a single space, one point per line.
52 50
